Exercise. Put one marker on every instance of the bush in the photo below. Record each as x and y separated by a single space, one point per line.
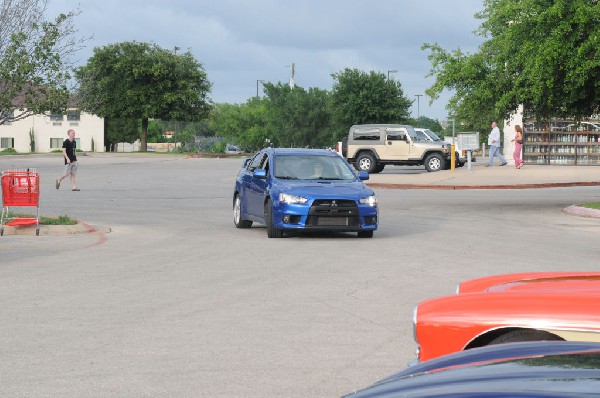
8 151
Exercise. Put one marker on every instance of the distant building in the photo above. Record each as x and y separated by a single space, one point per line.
49 132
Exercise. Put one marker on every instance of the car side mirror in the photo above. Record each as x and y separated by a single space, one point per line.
363 175
260 173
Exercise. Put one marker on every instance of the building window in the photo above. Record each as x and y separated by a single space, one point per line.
7 142
56 117
56 143
73 116
7 116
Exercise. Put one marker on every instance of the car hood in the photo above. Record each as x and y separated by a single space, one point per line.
325 188
574 284
520 369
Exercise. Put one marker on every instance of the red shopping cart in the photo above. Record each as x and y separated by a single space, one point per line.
20 188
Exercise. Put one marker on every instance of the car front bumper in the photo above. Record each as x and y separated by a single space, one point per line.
330 215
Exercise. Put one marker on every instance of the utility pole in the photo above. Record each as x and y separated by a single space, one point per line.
258 81
418 105
392 71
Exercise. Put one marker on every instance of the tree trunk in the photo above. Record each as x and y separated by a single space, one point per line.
144 138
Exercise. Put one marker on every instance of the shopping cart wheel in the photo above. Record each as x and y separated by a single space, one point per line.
37 231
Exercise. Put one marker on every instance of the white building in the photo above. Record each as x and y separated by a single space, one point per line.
49 132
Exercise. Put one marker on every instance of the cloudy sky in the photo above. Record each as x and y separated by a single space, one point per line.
240 42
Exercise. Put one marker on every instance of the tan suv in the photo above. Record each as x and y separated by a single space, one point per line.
370 147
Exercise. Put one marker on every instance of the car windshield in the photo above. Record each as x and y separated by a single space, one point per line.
312 167
432 135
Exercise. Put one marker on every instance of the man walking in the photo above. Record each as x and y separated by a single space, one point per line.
494 143
69 148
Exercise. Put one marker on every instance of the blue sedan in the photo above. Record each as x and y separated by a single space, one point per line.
303 189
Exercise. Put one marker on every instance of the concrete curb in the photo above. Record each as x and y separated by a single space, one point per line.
56 230
463 187
582 211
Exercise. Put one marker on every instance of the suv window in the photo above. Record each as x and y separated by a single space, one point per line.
366 134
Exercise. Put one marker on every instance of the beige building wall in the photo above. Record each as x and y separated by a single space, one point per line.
50 132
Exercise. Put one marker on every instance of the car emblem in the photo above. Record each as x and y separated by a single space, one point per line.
333 204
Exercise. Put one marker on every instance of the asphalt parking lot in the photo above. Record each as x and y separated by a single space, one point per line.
175 301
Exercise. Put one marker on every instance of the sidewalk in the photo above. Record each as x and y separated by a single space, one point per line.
481 177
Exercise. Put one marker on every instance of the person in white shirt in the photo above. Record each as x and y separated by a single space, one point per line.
494 143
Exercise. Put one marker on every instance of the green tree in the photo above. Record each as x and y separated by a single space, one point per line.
120 130
541 53
34 59
242 124
297 117
360 98
428 123
143 81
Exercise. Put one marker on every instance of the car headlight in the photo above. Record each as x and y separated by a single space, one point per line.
290 199
369 200
446 150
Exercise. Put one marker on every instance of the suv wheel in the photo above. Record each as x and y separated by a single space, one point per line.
434 162
366 162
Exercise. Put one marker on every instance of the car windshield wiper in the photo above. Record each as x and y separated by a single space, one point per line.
287 177
330 178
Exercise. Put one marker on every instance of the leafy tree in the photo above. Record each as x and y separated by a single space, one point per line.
359 98
541 53
34 59
428 123
297 117
143 81
242 124
120 130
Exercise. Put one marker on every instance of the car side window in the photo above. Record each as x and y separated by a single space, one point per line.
265 163
256 161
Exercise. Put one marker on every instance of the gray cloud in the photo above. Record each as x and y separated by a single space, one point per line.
240 42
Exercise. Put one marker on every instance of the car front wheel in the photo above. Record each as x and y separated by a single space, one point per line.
365 234
434 162
237 214
272 232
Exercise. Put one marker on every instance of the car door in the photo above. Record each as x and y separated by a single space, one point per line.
256 188
396 144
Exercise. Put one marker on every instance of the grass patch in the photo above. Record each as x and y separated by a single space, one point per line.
60 220
595 205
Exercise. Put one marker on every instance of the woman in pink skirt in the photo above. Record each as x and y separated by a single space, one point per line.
518 140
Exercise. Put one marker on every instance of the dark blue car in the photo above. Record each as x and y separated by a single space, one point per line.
303 189
525 370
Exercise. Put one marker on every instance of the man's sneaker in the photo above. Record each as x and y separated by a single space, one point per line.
76 189
57 183
503 164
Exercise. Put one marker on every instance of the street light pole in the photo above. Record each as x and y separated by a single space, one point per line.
258 81
418 105
392 71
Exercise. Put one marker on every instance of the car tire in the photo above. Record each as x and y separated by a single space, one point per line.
434 162
365 234
366 162
378 169
525 335
237 214
272 232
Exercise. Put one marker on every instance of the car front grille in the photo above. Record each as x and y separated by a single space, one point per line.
333 212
